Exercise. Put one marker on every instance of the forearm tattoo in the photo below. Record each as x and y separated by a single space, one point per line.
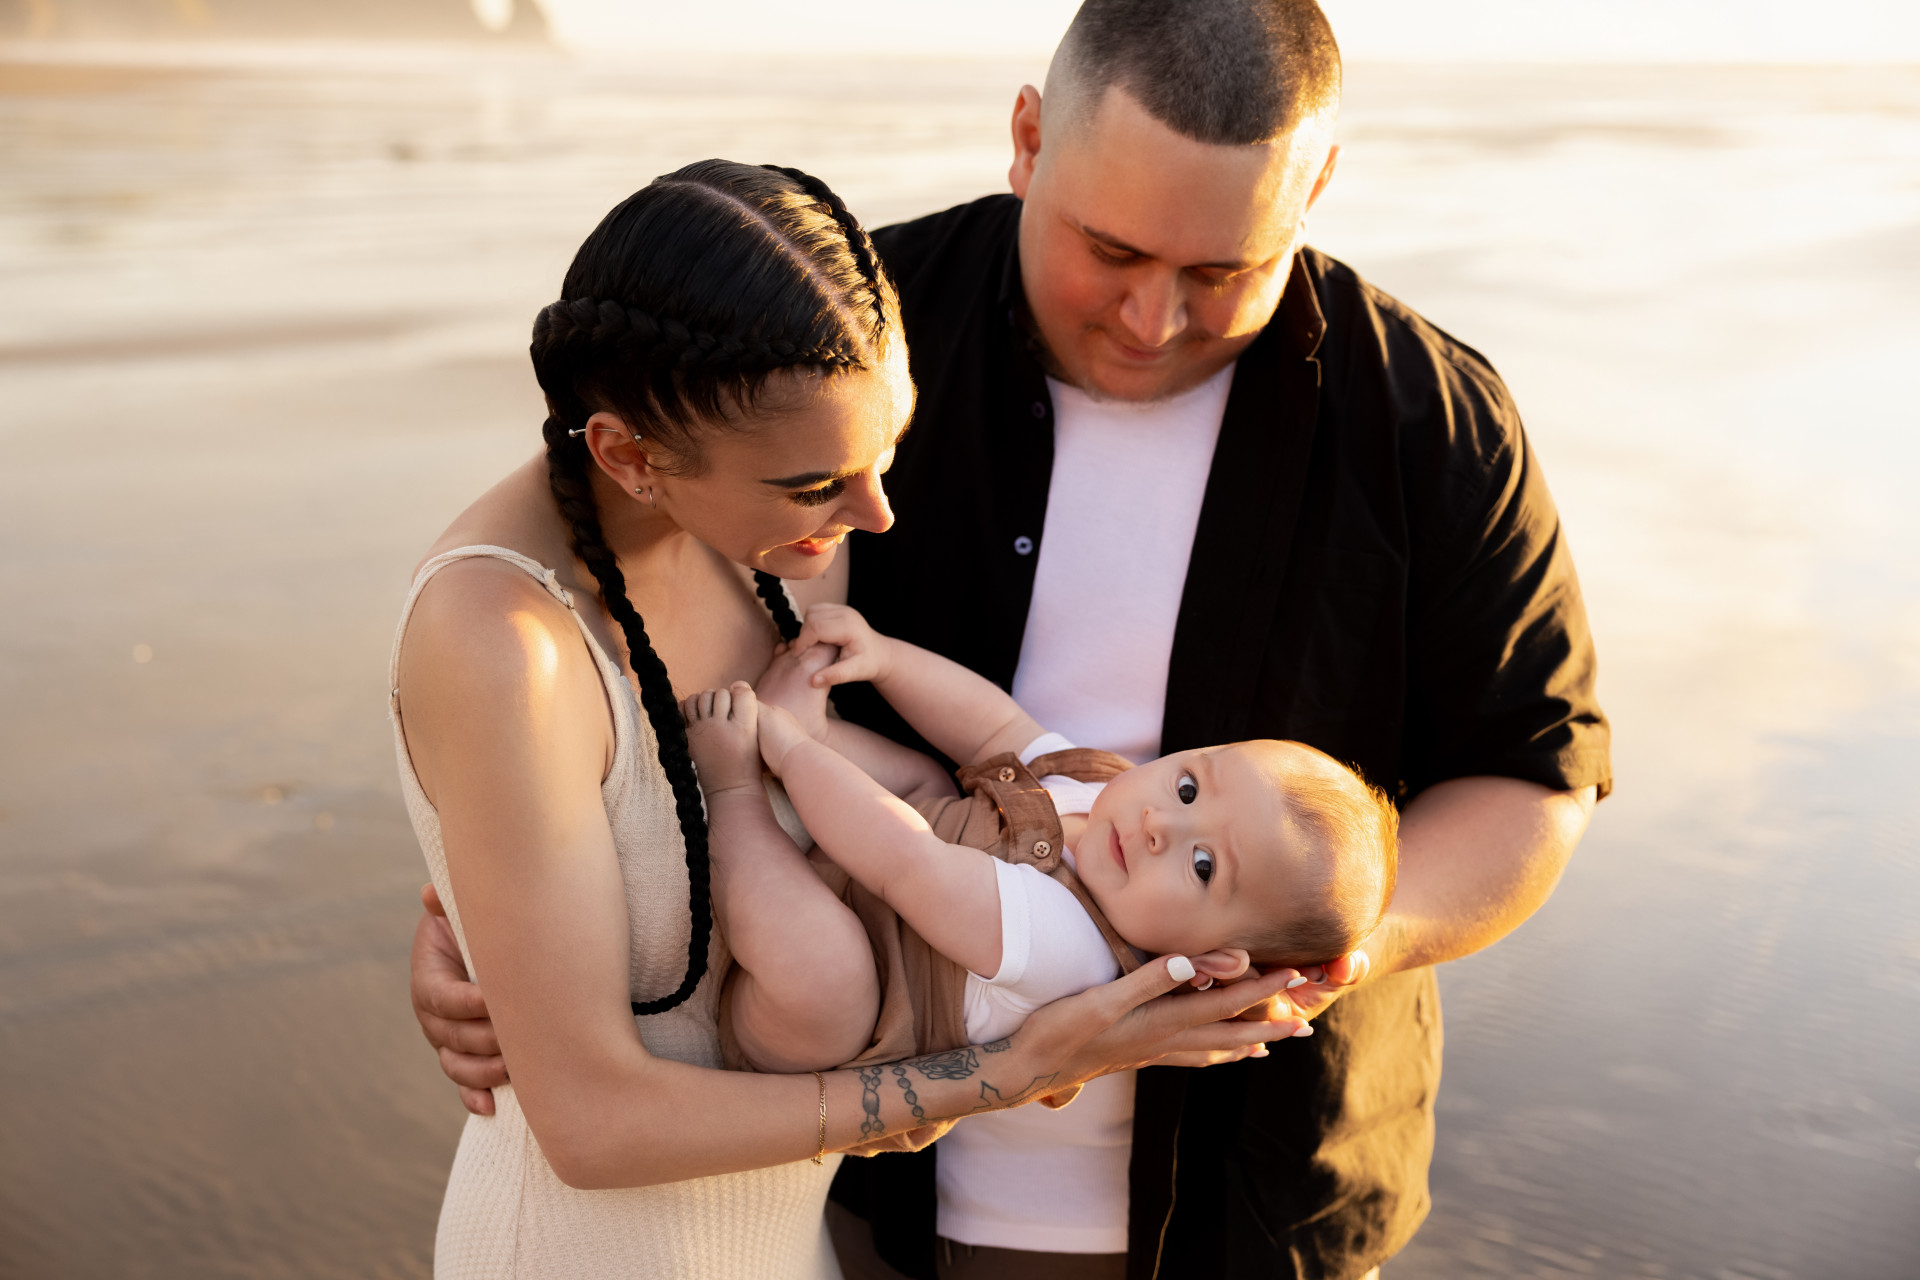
872 1126
952 1064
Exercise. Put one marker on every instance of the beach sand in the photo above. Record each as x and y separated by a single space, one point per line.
264 335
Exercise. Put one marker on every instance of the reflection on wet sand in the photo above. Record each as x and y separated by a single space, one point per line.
265 334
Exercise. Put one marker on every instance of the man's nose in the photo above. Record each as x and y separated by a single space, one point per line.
866 506
1154 310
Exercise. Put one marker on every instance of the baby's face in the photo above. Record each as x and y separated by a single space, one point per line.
1190 851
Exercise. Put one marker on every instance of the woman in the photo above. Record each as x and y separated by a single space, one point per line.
725 381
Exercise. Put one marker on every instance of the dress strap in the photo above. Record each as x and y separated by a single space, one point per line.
527 564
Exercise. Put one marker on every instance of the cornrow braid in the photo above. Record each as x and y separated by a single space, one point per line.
773 594
668 318
858 242
567 476
601 327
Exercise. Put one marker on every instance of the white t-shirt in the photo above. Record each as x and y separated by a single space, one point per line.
1122 507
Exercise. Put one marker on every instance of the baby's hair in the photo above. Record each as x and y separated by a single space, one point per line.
1357 827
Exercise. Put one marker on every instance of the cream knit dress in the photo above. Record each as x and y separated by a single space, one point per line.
506 1214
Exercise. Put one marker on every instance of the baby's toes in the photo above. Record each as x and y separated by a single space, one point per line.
743 705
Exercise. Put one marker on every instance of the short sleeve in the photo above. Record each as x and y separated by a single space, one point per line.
1501 661
1049 948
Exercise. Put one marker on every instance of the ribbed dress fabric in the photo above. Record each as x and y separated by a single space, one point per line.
505 1213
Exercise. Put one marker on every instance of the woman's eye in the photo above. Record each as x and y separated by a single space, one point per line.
1203 865
820 497
1187 789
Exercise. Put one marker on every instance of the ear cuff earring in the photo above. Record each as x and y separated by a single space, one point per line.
649 495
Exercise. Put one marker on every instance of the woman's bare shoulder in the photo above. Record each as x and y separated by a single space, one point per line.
518 514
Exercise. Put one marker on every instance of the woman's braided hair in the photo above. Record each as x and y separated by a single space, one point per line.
675 312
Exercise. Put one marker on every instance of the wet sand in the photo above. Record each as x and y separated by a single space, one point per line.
263 335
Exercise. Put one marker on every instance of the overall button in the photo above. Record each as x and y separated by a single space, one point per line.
1041 848
1023 545
1006 774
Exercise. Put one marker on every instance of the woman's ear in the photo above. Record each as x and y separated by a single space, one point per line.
619 452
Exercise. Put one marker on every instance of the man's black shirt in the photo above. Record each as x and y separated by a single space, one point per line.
1378 571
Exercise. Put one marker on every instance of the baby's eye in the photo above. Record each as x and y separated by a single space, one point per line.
1203 865
824 494
1187 789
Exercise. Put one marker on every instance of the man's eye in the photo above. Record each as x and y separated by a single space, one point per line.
1203 865
820 497
1110 256
1187 789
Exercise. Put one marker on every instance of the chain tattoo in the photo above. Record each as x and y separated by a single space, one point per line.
872 1126
913 1099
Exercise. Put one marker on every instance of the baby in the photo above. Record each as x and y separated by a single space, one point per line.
1264 853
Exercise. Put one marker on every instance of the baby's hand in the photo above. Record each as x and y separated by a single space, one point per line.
787 683
722 735
865 654
779 734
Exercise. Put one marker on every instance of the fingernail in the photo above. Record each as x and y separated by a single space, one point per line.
1180 969
1296 981
1259 1051
1203 984
1305 1029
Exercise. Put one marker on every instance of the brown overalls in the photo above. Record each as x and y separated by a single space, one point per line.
1005 812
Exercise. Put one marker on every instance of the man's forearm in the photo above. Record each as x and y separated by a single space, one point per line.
1477 857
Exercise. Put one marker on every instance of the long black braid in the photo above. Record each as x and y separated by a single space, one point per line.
714 322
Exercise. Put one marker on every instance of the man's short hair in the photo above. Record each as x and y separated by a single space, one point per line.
1228 72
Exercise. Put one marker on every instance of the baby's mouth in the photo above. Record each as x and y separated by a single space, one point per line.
1119 854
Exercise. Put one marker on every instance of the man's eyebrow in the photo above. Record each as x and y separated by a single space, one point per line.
1115 242
807 479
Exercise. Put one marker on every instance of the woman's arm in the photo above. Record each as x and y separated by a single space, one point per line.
507 725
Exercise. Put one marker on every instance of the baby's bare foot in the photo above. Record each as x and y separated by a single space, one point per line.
787 683
723 735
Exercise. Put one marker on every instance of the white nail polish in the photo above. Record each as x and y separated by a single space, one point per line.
1306 1029
1180 969
1296 981
1203 984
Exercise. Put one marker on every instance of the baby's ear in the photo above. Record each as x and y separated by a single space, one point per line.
1223 965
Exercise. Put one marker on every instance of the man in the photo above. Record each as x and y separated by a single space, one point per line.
1142 398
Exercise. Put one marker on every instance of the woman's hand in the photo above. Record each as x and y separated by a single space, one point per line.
865 654
452 1011
1142 1019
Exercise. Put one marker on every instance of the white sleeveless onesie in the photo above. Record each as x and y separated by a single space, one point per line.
505 1213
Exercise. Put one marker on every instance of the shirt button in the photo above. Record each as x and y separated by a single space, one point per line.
1023 545
1041 848
1006 774
1039 408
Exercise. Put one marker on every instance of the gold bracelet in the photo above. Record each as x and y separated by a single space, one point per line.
820 1156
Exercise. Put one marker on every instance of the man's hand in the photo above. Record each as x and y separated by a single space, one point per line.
452 1011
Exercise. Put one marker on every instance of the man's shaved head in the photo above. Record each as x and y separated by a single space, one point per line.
1226 72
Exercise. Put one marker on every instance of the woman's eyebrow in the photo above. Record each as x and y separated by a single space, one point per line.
807 479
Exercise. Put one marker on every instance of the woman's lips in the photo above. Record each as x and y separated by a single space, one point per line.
815 546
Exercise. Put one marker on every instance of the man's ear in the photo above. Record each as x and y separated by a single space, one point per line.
1326 174
1026 140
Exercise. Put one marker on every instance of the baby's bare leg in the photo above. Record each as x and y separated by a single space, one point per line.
808 994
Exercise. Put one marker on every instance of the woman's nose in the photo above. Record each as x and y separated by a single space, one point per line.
866 506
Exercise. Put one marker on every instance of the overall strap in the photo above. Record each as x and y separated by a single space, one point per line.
1030 825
